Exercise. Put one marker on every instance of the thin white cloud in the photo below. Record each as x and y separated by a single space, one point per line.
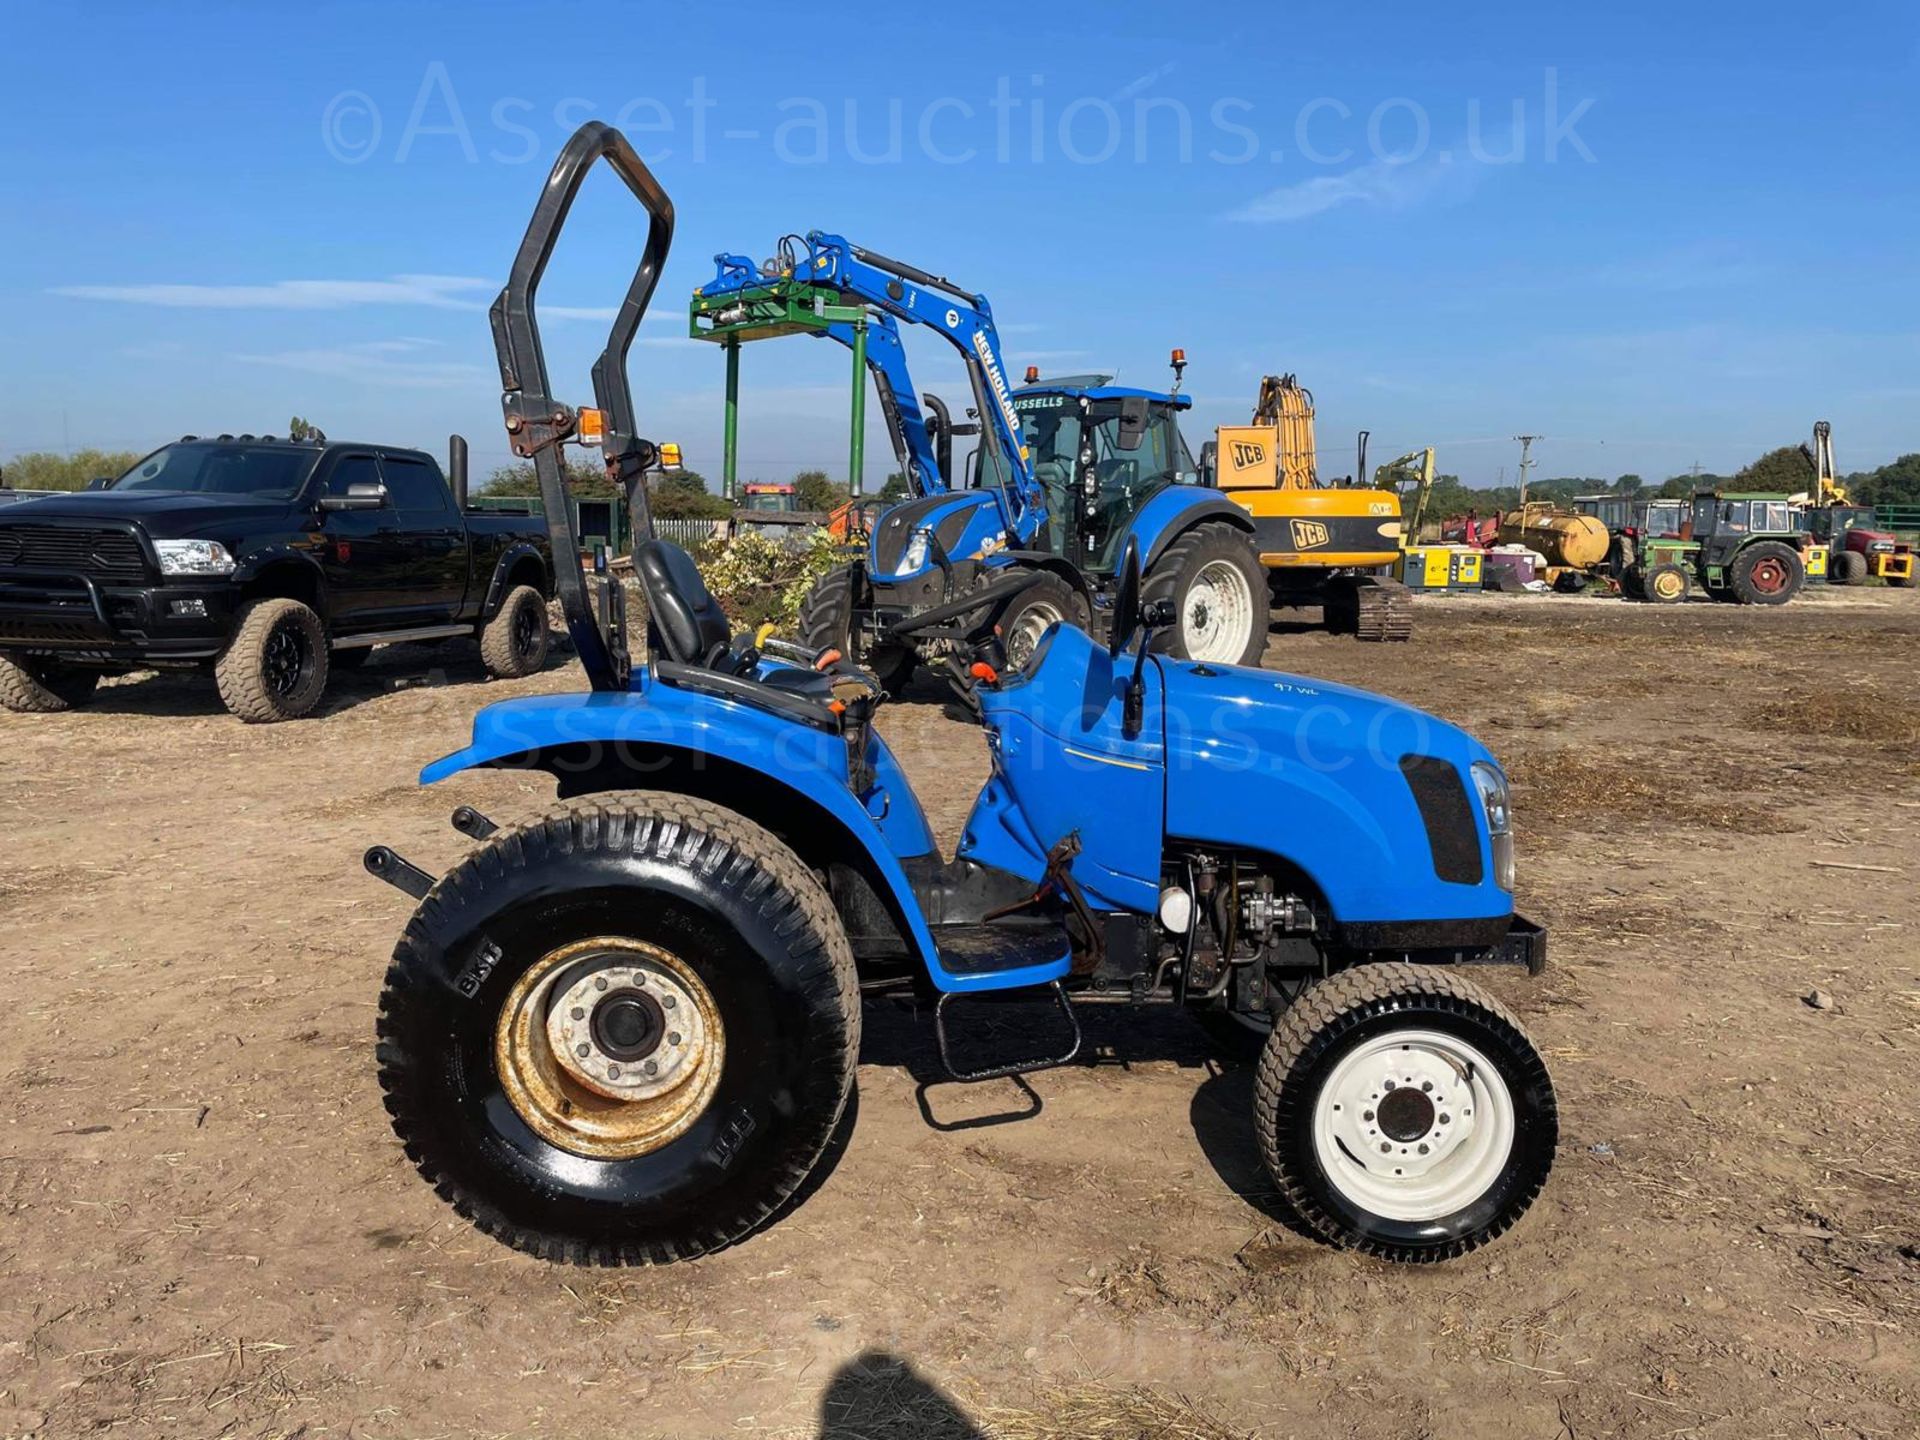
379 362
1379 185
1694 267
442 292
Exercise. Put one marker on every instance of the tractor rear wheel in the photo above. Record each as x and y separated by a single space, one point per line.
1402 1111
623 1034
1667 584
1900 582
1025 618
1767 573
1847 567
1218 589
826 623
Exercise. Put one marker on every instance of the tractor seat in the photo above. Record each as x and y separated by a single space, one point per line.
687 629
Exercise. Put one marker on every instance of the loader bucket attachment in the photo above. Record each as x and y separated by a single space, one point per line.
538 425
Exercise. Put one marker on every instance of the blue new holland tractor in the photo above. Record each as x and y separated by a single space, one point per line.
627 1032
1065 476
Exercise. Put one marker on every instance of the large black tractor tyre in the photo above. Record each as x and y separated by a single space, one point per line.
43 687
1900 582
1024 619
1218 590
655 931
826 623
275 667
1846 567
1766 573
1403 1112
514 642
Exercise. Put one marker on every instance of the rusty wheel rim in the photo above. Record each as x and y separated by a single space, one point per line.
609 1048
1768 575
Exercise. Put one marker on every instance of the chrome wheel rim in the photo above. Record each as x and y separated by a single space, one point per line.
1217 621
1414 1125
609 1048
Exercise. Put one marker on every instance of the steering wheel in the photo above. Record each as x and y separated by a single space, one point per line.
1126 600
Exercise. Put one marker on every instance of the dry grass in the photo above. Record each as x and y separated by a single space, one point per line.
1589 790
1843 714
1095 1412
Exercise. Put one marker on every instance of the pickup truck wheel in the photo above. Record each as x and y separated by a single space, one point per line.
43 687
275 667
1402 1111
514 643
622 1035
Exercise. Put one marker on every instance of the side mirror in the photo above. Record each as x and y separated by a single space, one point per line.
99 482
361 495
1126 600
1134 414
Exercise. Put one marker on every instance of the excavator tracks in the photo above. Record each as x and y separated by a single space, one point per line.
1381 609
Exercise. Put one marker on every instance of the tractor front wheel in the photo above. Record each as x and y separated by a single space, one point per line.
1218 590
1767 573
1667 584
827 623
1025 618
1847 567
624 1034
1404 1112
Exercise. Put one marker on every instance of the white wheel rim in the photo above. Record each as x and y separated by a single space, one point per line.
1217 620
1429 1154
1028 626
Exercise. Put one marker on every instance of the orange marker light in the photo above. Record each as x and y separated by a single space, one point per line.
670 456
1179 357
592 428
1033 373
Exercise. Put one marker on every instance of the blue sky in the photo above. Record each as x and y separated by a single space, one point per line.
1654 233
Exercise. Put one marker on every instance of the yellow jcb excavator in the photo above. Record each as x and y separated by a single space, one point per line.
1329 543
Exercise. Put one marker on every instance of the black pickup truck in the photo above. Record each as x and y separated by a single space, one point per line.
264 561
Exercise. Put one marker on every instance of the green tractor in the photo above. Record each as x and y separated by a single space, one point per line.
1743 546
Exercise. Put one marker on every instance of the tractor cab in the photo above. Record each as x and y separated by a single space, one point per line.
1099 450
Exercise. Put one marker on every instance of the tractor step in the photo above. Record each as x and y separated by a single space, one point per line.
1015 1067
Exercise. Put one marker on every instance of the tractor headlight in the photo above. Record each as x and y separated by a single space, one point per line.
193 557
1497 806
915 560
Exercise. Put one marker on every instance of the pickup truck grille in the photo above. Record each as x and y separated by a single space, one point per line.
100 551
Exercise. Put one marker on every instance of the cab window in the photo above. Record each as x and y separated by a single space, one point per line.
413 484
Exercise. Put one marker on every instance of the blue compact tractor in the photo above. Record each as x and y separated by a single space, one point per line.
628 1031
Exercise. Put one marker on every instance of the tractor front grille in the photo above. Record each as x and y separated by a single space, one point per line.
102 551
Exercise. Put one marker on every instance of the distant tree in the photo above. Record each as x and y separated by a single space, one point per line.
300 429
812 490
683 495
43 470
1894 484
1629 485
585 478
895 488
1785 469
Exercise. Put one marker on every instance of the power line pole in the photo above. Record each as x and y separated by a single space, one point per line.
1526 464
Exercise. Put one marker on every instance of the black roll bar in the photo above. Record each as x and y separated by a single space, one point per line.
538 424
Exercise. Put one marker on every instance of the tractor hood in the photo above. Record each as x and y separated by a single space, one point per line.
967 524
1373 799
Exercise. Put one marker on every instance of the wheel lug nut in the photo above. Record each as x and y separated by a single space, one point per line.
1427 1085
578 1013
1423 1148
599 982
583 1051
1446 1119
652 1067
673 1037
613 1072
1367 1116
667 1002
1385 1148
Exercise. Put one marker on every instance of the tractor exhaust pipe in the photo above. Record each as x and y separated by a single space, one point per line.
457 469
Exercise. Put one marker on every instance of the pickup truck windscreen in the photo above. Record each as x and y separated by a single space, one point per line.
268 472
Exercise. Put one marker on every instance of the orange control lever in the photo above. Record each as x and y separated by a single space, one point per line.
827 658
980 670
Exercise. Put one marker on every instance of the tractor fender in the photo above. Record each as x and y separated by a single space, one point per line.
1172 512
790 779
1054 565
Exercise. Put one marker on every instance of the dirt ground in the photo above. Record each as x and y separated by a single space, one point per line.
206 1227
